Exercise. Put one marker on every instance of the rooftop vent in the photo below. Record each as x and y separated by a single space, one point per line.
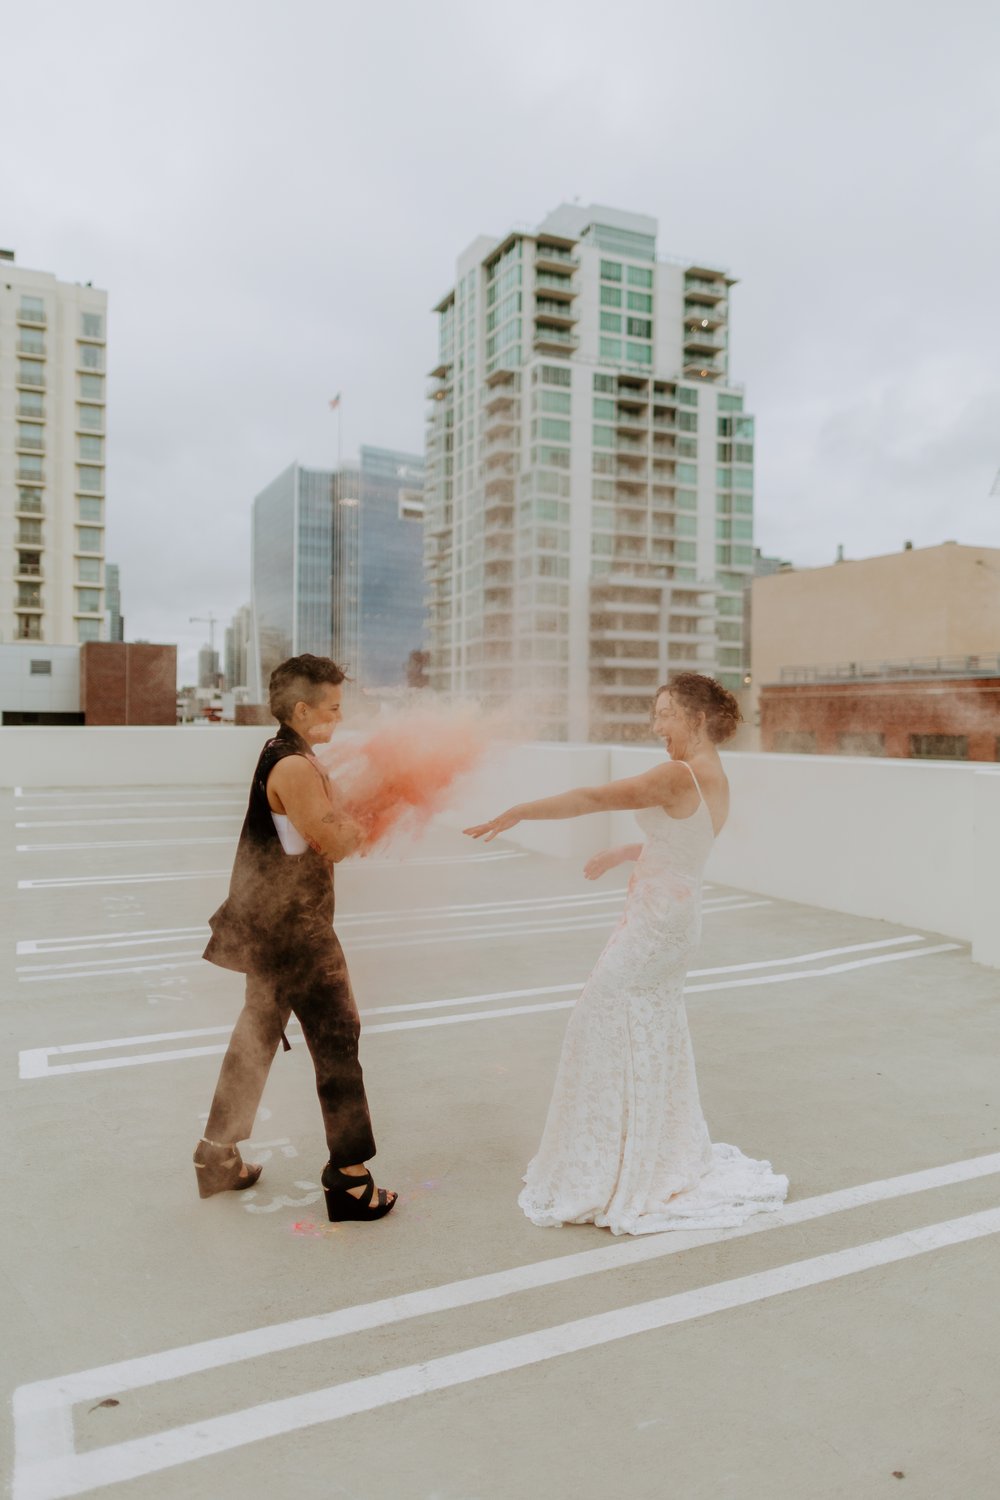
6 255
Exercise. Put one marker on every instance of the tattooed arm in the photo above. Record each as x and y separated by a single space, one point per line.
298 788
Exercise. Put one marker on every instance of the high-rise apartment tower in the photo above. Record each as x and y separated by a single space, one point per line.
52 457
589 484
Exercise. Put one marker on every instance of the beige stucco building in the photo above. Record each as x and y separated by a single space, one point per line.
926 612
922 602
52 458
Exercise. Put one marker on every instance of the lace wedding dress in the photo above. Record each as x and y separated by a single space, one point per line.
625 1143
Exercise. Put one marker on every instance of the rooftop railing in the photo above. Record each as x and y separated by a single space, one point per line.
885 671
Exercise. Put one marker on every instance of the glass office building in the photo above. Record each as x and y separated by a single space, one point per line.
337 568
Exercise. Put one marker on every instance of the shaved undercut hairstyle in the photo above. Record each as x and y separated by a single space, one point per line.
301 679
697 693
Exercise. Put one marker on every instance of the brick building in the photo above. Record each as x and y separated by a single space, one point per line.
128 683
942 715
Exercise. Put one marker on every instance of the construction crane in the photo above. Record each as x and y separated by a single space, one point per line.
210 621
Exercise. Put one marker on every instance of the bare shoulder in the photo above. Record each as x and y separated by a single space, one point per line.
294 780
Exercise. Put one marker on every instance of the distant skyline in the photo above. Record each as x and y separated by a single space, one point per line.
274 200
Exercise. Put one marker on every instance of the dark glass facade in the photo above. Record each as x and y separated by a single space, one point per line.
391 602
272 563
337 563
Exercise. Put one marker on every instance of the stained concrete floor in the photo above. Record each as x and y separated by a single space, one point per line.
844 1348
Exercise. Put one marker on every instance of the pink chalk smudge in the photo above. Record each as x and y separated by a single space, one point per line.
399 774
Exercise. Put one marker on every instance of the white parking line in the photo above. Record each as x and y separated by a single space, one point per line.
366 942
119 844
343 920
178 817
48 1468
179 804
34 1061
374 862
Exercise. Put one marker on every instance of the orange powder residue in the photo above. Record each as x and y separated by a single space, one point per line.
399 773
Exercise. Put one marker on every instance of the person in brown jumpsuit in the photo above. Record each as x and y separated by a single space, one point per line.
276 927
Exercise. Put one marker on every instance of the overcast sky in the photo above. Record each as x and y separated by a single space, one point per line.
274 196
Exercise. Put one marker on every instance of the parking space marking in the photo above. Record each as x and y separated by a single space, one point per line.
34 1061
366 942
47 1467
377 863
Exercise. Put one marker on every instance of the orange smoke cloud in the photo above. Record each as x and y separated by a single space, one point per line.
398 775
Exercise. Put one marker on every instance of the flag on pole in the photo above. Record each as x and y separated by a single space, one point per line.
335 402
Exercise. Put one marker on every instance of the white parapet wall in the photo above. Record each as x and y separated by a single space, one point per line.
908 842
129 755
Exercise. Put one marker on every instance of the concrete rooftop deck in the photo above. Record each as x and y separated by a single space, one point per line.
454 1351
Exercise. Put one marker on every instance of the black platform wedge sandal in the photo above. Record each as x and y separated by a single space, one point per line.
219 1169
342 1204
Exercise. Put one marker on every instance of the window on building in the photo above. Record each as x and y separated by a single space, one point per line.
88 630
556 375
31 372
686 473
605 383
611 322
89 539
90 356
555 401
31 341
33 308
939 746
88 601
92 448
639 328
29 466
555 431
795 741
30 404
88 570
604 410
866 743
687 421
92 387
639 302
611 296
687 500
686 551
610 270
90 508
639 354
687 394
604 437
687 526
610 348
30 435
640 276
89 479
730 403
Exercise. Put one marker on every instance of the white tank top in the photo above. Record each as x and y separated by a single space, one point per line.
291 839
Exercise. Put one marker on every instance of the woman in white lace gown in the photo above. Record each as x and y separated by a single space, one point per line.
625 1143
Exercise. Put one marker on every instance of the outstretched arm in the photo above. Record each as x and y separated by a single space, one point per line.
655 788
